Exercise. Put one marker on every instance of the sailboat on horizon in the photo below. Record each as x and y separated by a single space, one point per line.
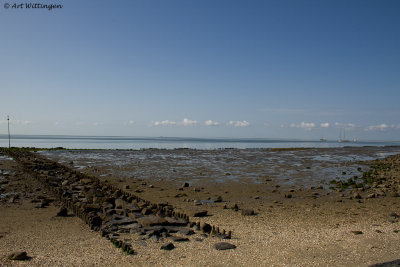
344 140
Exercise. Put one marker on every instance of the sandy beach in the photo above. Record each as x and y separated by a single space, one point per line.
301 223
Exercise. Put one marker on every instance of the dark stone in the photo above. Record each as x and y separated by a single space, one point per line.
176 221
132 226
248 212
218 199
125 220
387 264
224 246
146 211
41 205
119 203
169 246
62 212
185 185
152 220
92 207
206 228
132 207
357 232
18 256
179 239
186 231
202 213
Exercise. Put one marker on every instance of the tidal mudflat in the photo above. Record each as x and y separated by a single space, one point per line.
288 168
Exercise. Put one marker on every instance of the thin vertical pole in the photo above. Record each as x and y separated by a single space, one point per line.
8 122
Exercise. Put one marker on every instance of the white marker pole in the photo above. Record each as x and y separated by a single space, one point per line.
8 122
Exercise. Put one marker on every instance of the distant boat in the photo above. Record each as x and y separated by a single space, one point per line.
343 140
322 139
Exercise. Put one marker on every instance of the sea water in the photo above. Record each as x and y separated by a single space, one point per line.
118 142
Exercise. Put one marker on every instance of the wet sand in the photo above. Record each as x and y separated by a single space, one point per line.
314 227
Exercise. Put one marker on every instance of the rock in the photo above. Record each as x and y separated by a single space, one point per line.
185 185
62 212
372 195
176 221
206 228
357 195
169 246
41 205
122 221
248 212
387 264
218 199
146 211
235 207
186 231
119 203
132 207
11 200
357 232
132 226
288 196
18 256
179 239
224 246
86 181
202 213
152 220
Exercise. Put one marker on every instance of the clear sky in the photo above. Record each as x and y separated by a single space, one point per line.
204 68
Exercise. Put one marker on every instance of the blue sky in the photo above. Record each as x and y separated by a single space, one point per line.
271 69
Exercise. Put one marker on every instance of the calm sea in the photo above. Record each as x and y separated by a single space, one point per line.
116 142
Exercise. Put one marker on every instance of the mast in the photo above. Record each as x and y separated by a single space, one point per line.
8 123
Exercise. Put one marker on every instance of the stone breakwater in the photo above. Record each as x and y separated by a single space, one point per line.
115 214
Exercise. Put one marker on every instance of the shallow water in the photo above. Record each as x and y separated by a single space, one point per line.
295 168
